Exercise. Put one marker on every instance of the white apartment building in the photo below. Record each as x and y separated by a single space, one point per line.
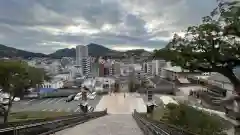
82 59
109 65
154 67
158 66
125 69
101 83
62 77
116 68
148 68
53 84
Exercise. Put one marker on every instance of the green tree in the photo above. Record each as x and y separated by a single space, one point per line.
16 78
191 119
212 46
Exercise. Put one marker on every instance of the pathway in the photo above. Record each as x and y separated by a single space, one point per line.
117 124
118 104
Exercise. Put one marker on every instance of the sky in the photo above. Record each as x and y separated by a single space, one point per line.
47 25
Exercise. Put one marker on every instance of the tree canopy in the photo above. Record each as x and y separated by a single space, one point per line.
190 119
212 46
17 77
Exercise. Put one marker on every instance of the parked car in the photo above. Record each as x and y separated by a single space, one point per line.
90 109
70 98
78 96
5 101
90 96
75 86
16 99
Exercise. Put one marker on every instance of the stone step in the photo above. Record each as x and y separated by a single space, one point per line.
117 124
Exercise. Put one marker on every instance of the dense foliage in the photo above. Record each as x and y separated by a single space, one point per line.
190 119
212 46
17 77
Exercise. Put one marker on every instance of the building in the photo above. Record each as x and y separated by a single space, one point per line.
104 84
108 68
154 67
116 69
95 69
86 66
158 66
150 68
101 70
53 84
82 59
101 67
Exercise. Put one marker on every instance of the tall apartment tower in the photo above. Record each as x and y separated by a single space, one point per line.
82 59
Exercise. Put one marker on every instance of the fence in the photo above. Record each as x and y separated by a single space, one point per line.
151 127
49 126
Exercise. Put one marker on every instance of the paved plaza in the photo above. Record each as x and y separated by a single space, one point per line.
119 104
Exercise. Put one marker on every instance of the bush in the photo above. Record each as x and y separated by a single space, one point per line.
191 119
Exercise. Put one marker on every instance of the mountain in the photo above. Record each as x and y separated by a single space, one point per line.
11 52
99 50
93 50
136 52
66 52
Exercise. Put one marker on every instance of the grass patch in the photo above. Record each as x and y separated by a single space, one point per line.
31 115
190 119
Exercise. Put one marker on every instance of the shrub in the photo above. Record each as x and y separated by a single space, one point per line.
191 119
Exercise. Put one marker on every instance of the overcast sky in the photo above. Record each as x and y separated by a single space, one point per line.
47 25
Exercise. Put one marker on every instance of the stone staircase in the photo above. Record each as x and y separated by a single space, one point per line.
115 124
119 120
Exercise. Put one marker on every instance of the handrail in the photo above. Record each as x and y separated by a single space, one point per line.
51 126
20 123
147 127
150 127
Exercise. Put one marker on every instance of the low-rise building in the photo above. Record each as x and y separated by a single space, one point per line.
53 84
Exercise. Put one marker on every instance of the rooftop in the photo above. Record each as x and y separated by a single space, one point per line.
159 81
174 69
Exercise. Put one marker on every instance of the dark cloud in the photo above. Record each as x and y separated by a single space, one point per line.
47 25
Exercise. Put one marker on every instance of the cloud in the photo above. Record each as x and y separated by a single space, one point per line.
47 25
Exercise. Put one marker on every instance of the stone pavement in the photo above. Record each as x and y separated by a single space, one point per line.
115 124
118 104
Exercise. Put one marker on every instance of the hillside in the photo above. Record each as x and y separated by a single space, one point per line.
99 50
11 52
93 50
66 52
137 52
